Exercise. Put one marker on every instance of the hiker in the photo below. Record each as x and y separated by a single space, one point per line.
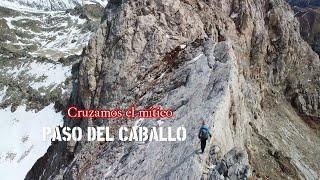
203 135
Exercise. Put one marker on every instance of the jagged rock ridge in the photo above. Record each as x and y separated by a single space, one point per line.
245 69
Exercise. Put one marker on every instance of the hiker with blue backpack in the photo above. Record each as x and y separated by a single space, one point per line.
203 135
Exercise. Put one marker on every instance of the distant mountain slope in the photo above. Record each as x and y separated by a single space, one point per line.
304 3
308 14
35 78
54 5
309 19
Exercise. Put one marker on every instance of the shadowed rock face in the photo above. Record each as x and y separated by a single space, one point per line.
240 65
308 15
309 19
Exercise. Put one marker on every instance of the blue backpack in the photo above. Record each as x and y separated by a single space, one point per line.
203 134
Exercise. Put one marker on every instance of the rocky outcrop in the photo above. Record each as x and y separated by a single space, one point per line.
88 11
307 13
241 65
232 165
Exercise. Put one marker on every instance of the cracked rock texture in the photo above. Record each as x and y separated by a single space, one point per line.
241 65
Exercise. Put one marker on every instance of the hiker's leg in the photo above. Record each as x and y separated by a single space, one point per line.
203 145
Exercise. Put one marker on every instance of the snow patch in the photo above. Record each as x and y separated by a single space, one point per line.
67 38
183 46
195 59
3 93
162 75
55 74
22 143
234 15
52 74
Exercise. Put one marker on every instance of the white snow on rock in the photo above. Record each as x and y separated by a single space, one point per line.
55 74
2 93
195 59
21 143
51 74
67 38
183 46
234 15
47 5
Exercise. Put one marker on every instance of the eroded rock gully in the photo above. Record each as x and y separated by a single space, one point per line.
241 65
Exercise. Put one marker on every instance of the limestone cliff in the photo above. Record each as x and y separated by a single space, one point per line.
240 64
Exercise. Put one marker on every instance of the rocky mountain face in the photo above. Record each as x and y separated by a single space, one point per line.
309 19
241 65
37 50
